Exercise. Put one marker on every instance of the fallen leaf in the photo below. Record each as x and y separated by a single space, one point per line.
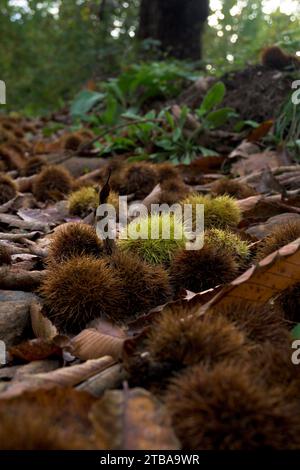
256 162
260 132
132 420
274 274
55 419
244 150
41 326
262 230
34 350
92 344
63 377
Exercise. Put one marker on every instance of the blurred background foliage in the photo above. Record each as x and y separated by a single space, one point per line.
51 49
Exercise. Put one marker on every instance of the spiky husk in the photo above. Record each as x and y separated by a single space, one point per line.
33 165
145 286
279 237
55 419
138 179
167 171
80 290
220 212
52 184
73 141
83 201
229 242
225 409
232 188
8 188
274 57
260 323
154 250
74 239
181 339
173 191
199 270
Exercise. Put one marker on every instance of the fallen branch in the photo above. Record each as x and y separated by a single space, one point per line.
14 221
17 279
108 379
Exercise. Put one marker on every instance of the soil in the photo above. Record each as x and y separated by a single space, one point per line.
245 89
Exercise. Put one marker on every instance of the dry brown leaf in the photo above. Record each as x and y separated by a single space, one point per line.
264 229
34 350
47 420
261 131
41 326
132 420
73 375
244 150
261 208
274 274
256 162
92 344
63 377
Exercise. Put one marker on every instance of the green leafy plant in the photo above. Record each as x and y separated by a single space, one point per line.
163 136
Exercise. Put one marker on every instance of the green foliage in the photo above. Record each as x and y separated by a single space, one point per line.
238 31
161 136
287 128
132 89
50 49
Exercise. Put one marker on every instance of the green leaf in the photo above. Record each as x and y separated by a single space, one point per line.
207 152
241 124
219 117
296 332
212 98
84 102
176 134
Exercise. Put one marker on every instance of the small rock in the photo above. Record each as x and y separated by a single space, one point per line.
14 316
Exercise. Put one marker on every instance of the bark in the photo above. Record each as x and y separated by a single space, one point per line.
177 24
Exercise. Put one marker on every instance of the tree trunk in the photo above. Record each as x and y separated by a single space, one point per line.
176 24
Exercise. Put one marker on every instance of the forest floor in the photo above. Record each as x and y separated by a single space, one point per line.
143 344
